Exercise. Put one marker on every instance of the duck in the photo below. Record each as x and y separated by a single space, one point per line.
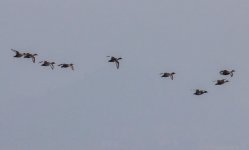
116 60
18 54
220 82
47 63
29 55
199 92
166 74
226 72
66 66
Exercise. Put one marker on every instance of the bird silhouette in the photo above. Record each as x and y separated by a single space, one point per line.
199 92
18 54
47 63
29 55
166 74
226 72
67 65
220 82
115 60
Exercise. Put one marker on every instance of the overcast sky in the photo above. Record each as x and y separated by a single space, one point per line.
97 107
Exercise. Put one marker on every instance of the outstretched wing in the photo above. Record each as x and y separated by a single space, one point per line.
52 66
171 76
33 59
14 50
72 67
117 64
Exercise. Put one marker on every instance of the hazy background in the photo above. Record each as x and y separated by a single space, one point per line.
97 107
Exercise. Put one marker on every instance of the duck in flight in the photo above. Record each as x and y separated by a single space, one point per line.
29 55
115 60
226 72
47 63
220 82
66 66
166 74
18 54
199 92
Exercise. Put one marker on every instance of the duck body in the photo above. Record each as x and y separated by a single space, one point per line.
166 74
115 60
18 54
47 63
227 72
199 92
66 66
29 55
220 82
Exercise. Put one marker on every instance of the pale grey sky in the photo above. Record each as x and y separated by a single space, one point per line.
97 107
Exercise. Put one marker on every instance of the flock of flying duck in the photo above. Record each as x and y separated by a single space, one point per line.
116 61
44 63
51 64
198 91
